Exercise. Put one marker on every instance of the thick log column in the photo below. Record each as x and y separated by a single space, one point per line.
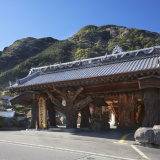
34 115
151 100
51 114
71 105
85 114
127 105
71 119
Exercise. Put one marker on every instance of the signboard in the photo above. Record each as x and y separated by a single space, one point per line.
42 114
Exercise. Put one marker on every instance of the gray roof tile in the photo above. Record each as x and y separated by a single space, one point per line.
123 62
92 71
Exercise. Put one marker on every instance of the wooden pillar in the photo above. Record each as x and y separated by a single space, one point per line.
51 114
122 103
72 104
140 113
85 114
151 100
116 121
34 115
126 104
71 120
42 113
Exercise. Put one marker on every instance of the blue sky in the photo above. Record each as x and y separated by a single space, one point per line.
61 19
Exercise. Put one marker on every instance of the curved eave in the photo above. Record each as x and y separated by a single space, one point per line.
89 81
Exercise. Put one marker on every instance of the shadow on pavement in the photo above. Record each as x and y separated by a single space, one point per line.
112 133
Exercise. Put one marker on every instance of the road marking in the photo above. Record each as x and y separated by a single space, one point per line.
142 154
63 149
124 137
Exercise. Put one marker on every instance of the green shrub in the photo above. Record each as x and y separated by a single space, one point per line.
2 122
58 121
17 122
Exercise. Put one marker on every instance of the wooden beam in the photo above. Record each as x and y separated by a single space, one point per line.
77 93
82 103
149 82
58 105
111 87
25 98
59 92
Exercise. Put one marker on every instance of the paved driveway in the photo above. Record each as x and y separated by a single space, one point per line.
70 145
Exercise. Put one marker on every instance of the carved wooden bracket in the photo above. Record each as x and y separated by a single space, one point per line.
72 106
71 103
60 93
58 105
82 103
76 94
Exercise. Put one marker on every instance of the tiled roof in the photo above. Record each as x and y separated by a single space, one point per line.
124 62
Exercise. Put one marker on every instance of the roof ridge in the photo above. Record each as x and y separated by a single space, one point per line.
90 62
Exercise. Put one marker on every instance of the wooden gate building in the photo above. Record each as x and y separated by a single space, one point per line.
124 83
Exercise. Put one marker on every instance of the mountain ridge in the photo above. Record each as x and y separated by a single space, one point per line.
90 41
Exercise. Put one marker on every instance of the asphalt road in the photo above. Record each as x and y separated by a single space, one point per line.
63 144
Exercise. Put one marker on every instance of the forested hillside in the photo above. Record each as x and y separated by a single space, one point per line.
91 41
21 50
